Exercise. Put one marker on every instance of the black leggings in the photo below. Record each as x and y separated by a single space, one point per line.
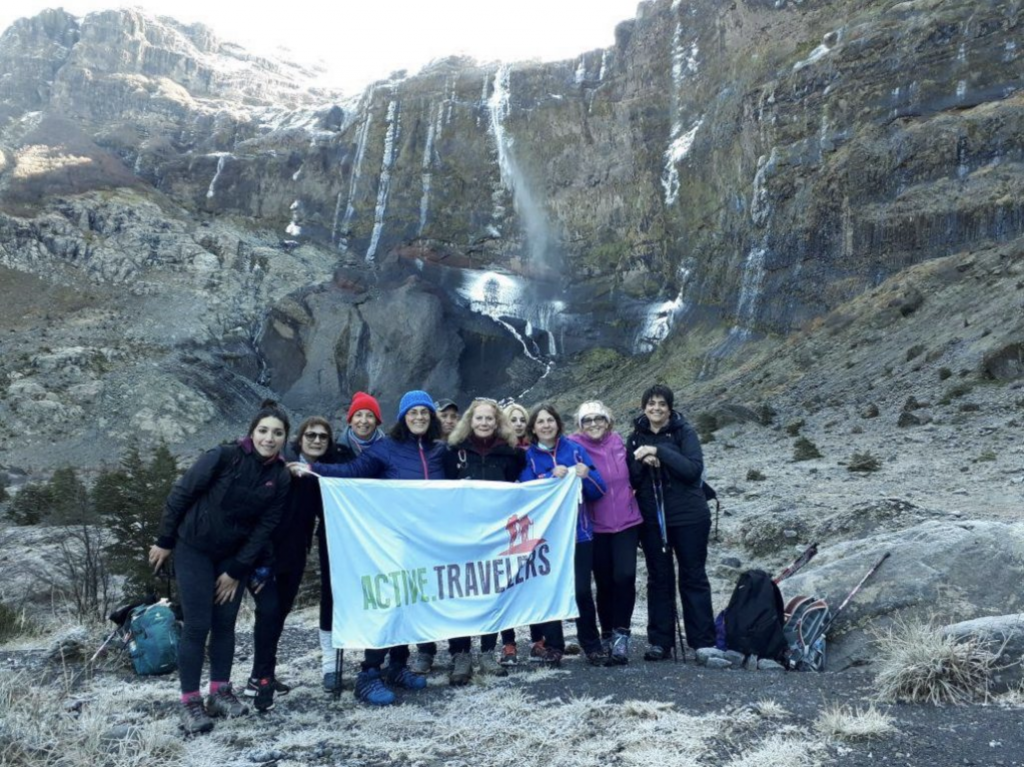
197 575
326 594
615 576
273 604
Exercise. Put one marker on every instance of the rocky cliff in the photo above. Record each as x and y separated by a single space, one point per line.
185 227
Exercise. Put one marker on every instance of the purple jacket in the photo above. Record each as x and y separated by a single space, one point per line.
617 509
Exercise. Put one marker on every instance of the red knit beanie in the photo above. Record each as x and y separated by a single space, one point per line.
363 401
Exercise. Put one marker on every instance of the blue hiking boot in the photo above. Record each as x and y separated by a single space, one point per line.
370 688
401 676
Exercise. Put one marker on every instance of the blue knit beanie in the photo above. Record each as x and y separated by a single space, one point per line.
414 398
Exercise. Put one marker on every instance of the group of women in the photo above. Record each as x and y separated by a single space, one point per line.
245 515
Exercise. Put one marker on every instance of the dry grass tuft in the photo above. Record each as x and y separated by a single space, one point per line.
848 723
647 709
770 709
918 663
779 751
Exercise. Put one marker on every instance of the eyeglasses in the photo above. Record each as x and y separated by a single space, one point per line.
591 420
317 436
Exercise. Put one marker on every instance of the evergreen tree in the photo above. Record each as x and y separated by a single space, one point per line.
130 499
71 504
31 505
4 495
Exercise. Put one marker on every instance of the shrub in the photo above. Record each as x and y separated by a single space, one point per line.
805 450
988 455
957 390
12 622
793 428
848 723
945 373
706 425
755 476
766 414
914 351
919 663
863 462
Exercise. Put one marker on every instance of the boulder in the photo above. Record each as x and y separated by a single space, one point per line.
1005 634
938 569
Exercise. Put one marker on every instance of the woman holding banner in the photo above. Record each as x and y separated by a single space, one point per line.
410 451
362 430
482 446
549 455
616 530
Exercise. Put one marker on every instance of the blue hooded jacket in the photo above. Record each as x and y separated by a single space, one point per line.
540 464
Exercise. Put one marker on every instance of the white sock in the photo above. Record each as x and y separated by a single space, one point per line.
327 653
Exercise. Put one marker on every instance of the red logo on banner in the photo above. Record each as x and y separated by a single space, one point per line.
519 540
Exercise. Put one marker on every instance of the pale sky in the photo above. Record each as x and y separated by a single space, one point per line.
360 41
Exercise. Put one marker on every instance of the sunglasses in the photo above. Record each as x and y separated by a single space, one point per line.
316 436
591 420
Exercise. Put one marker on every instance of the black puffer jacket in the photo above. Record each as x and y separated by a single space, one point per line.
501 464
682 464
227 505
293 537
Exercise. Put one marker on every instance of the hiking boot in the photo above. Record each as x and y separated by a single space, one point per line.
597 658
401 676
331 681
462 669
489 665
253 685
552 657
370 688
421 664
225 703
606 645
619 653
265 695
657 652
509 656
537 651
194 718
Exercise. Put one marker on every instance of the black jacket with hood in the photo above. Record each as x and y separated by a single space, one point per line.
682 467
227 505
502 463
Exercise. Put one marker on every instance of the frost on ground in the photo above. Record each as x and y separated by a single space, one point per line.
135 723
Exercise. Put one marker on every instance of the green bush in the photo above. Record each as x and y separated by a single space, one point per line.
864 462
12 623
755 476
31 505
988 455
793 427
706 425
805 450
945 373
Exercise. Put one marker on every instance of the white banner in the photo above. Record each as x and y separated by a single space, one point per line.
420 561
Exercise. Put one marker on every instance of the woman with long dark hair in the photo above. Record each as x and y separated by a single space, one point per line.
218 519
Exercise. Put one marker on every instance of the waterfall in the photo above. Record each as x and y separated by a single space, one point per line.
604 65
581 71
293 228
504 298
384 186
684 63
428 152
512 178
222 158
364 131
751 287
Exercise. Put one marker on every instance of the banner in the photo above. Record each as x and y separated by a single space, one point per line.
420 561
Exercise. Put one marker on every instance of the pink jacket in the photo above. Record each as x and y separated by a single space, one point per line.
617 509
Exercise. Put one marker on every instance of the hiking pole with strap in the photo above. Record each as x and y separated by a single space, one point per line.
659 501
797 563
832 618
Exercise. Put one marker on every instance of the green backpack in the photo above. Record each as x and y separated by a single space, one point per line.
151 636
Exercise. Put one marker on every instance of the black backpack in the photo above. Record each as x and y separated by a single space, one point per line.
755 617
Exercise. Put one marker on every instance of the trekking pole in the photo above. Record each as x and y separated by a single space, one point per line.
797 563
339 658
103 646
659 501
832 618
